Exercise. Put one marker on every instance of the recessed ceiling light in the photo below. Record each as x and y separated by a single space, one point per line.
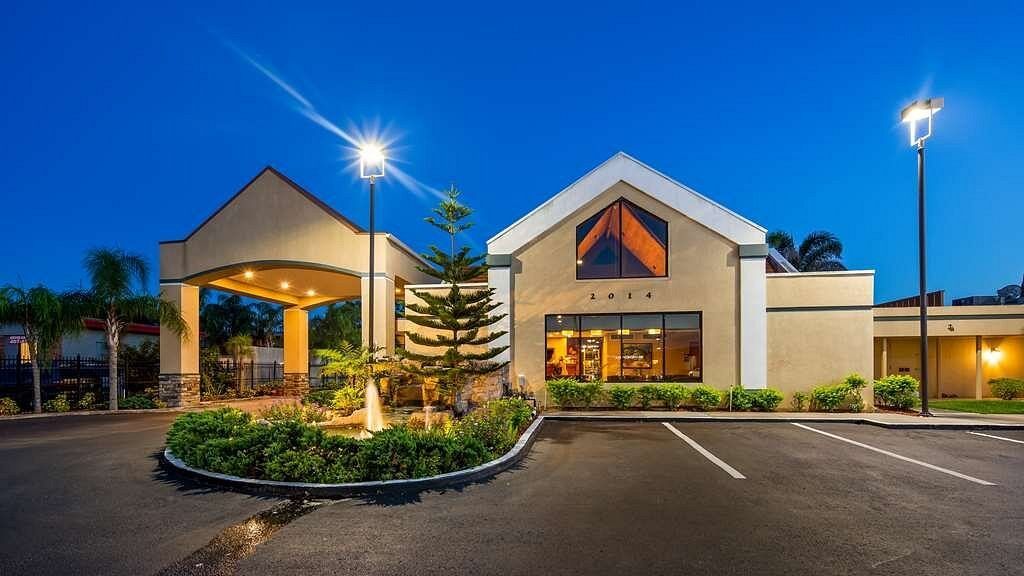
285 285
248 274
310 292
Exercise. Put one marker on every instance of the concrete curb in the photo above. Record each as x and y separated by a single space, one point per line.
347 490
668 417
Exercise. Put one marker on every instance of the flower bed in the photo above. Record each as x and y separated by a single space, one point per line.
229 441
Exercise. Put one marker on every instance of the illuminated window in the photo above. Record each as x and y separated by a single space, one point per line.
622 241
624 347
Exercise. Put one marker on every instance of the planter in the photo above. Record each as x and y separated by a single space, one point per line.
347 490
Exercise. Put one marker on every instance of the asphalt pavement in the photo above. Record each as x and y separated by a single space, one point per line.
85 495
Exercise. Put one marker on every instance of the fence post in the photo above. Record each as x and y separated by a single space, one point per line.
252 373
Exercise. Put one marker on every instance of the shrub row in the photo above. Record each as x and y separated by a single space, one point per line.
289 448
569 393
1007 388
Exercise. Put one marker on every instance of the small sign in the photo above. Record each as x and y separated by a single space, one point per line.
17 339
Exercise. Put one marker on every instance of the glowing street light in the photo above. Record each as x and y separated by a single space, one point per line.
918 111
371 167
371 162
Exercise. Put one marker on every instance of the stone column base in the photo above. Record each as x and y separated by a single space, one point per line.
179 390
296 383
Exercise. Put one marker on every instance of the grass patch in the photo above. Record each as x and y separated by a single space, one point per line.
979 406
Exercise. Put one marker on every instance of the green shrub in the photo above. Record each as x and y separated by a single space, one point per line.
829 397
591 393
705 397
896 391
567 392
87 401
740 398
137 402
798 401
1007 388
842 396
344 400
59 403
621 396
288 448
516 411
646 395
673 395
287 411
321 398
765 400
348 399
563 391
8 407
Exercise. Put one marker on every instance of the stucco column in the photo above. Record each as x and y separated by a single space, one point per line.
885 357
499 278
977 367
383 316
179 357
296 351
753 316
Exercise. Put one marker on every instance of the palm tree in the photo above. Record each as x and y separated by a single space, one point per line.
239 347
118 296
226 317
266 322
821 251
45 316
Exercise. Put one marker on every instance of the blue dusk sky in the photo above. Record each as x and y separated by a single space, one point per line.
127 124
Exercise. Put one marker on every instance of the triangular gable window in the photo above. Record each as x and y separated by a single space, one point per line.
622 241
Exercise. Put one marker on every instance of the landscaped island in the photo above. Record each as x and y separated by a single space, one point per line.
285 445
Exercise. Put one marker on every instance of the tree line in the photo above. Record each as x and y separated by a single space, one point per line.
117 295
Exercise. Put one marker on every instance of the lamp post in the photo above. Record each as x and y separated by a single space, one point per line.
371 167
917 111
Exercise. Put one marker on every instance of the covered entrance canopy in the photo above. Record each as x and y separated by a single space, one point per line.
275 241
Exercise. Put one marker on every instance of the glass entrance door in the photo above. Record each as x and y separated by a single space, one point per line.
590 352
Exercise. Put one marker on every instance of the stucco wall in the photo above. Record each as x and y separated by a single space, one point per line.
703 276
272 221
819 329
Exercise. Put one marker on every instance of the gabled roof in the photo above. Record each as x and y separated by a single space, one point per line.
625 168
275 173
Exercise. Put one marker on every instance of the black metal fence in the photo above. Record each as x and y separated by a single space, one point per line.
226 378
75 377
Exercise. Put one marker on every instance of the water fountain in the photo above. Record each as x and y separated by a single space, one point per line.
374 414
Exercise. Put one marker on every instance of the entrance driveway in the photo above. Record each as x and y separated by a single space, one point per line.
85 495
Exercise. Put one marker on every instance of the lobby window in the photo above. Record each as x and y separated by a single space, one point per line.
622 241
624 347
562 353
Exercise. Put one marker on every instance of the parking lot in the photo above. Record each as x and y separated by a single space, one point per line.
635 498
83 495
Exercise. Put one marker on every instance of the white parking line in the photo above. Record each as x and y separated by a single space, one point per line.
714 459
997 437
898 457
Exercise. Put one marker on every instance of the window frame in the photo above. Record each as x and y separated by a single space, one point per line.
619 276
664 348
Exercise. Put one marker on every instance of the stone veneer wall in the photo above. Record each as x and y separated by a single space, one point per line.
296 383
179 390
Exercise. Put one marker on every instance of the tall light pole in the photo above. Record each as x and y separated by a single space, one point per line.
371 167
917 111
